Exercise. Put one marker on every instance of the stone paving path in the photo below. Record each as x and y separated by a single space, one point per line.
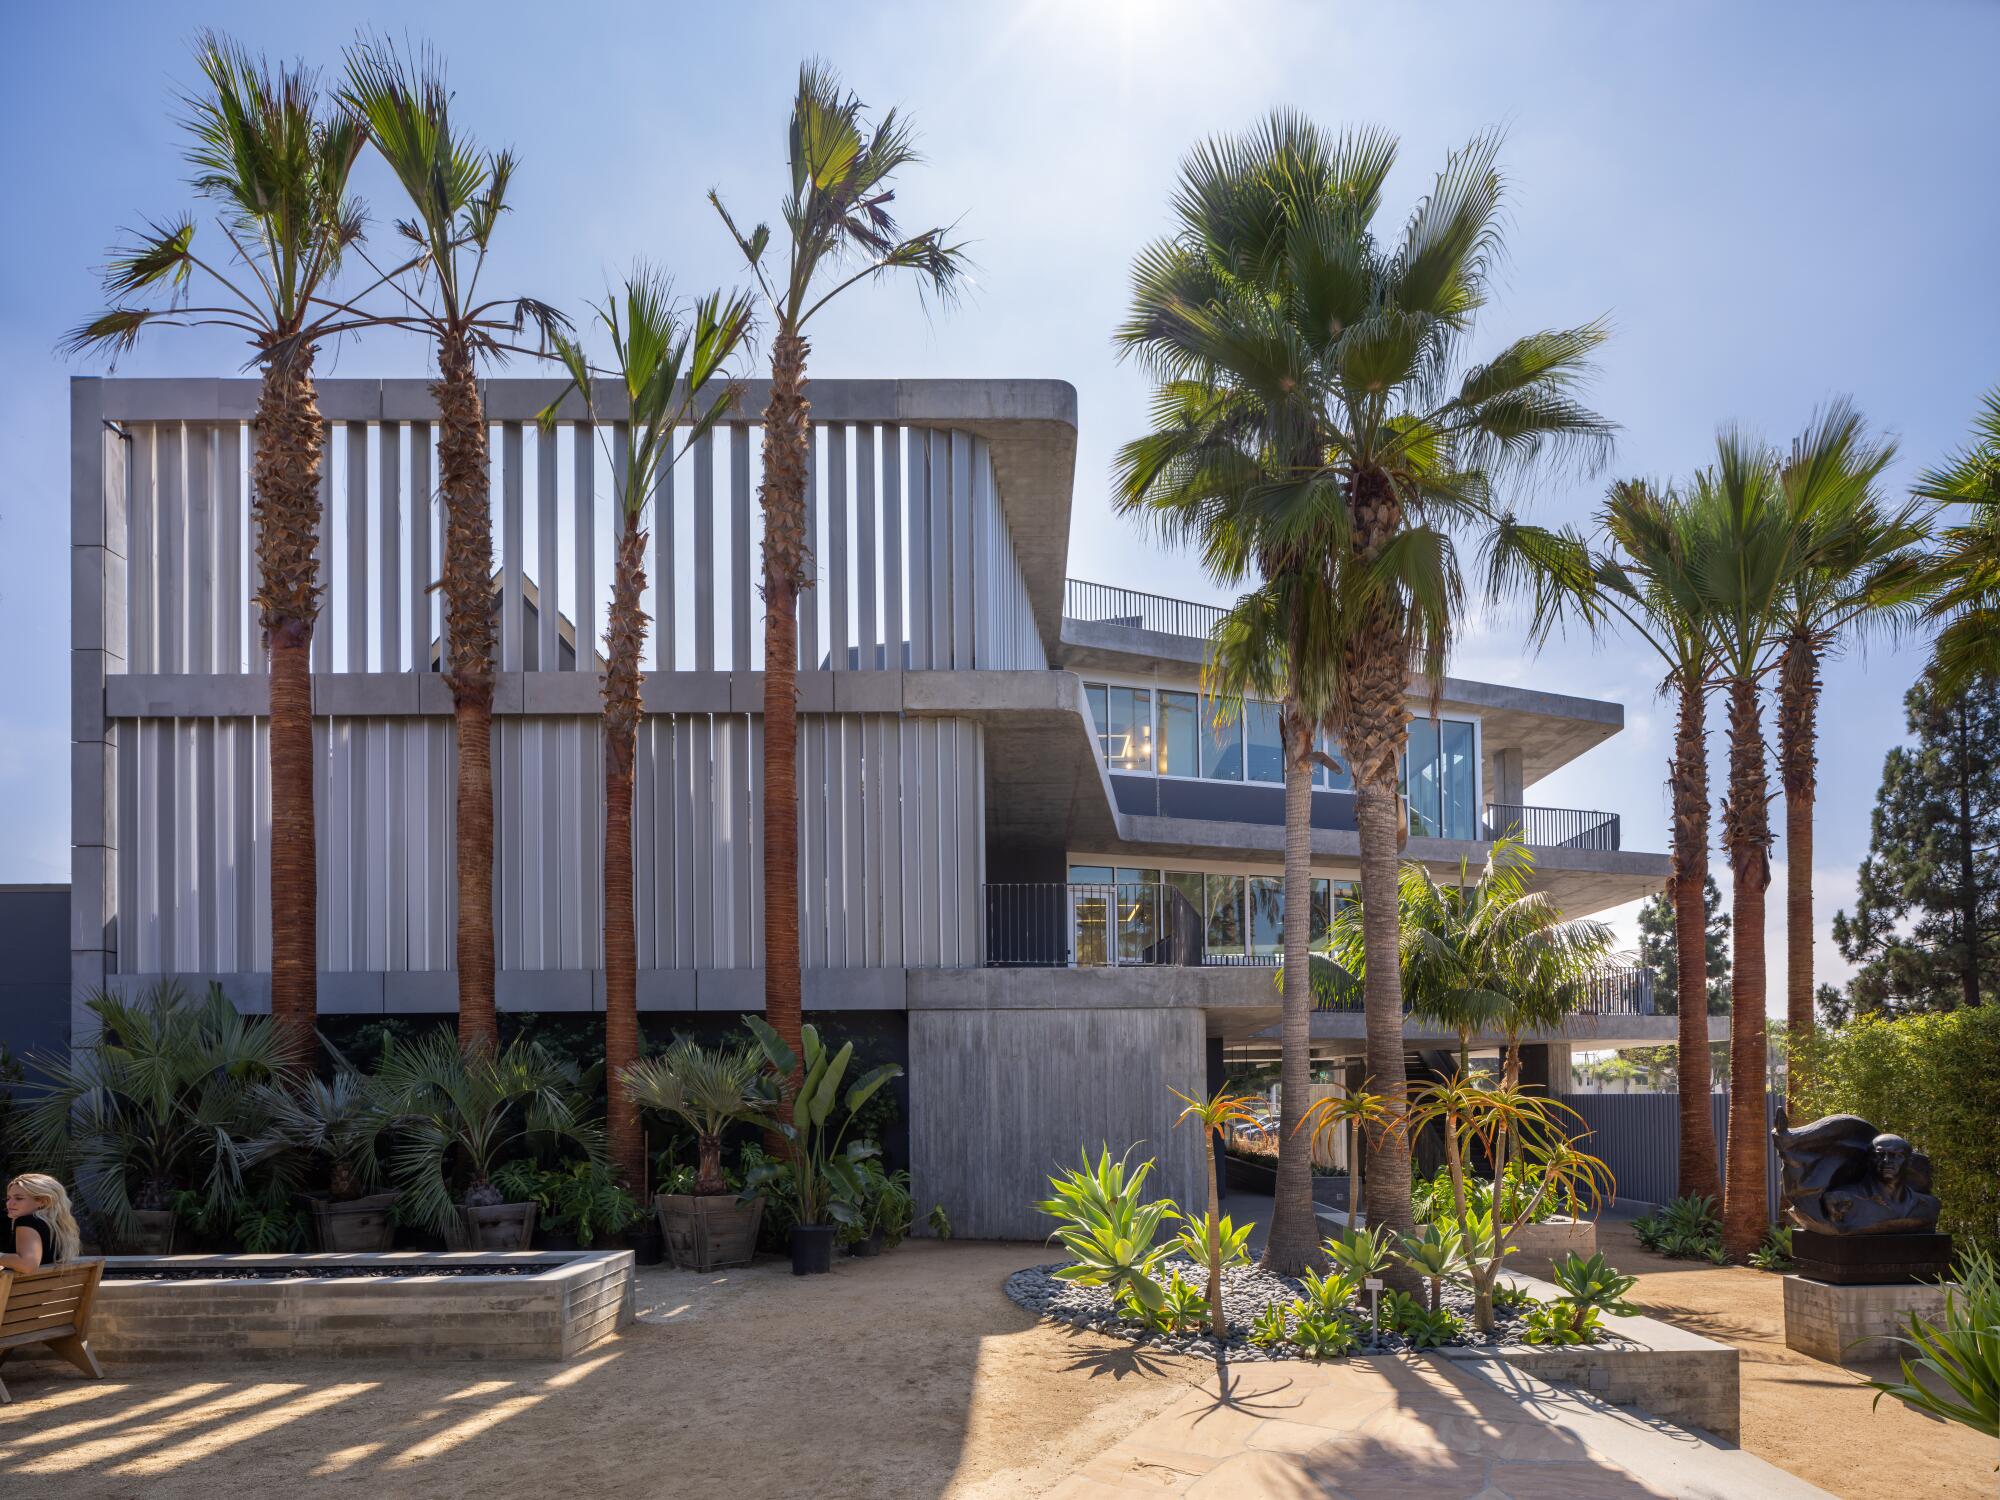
1387 1428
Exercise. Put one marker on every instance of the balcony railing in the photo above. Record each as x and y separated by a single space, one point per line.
1054 925
1552 827
1100 603
1618 992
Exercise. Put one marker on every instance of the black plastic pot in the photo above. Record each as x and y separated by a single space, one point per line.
870 1246
648 1247
812 1249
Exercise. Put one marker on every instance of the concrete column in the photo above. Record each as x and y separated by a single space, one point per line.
1508 787
98 480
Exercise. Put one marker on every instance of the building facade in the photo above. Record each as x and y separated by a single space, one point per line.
1027 850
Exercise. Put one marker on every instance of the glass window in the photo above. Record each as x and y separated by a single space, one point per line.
1267 914
1090 874
1264 750
1128 732
1090 914
1221 744
1178 734
1420 779
1225 914
1095 693
1456 767
1338 781
1138 914
1319 933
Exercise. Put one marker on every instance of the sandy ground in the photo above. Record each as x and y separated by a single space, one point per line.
1811 1418
911 1375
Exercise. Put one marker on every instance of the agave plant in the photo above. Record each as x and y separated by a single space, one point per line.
709 1089
1432 1255
1108 1226
460 1115
161 1102
1959 1354
1590 1287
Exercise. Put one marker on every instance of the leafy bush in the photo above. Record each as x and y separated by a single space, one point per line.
1775 1254
1432 1255
1322 1335
583 1198
1397 1308
1362 1253
1934 1078
1431 1197
1183 1307
1331 1293
1686 1229
1511 1296
1272 1326
1959 1354
939 1221
1552 1324
1589 1288
1426 1328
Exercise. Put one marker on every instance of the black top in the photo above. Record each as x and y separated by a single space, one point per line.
50 1254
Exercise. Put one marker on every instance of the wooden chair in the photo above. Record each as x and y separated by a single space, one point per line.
51 1306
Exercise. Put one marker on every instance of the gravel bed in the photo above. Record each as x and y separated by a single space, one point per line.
1246 1291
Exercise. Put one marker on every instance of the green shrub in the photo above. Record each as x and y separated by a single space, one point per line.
1511 1296
1322 1335
1556 1325
1272 1326
1426 1329
1959 1354
1775 1254
1686 1229
1590 1287
1104 1220
1362 1253
1934 1078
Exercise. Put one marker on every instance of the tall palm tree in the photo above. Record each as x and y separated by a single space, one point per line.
1306 370
1966 571
665 361
840 232
1872 570
457 195
1640 577
276 164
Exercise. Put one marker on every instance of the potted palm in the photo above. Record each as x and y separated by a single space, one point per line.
158 1105
826 1182
708 1090
336 1123
460 1117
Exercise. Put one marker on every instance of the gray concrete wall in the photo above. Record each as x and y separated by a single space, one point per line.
34 969
1001 1098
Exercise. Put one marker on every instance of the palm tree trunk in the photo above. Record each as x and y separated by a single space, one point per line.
624 637
1699 1175
1746 822
467 577
291 445
1798 732
787 563
1294 1239
1378 819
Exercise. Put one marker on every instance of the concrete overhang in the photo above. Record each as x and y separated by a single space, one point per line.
1549 729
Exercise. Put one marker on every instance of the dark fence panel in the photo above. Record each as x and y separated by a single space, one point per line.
1052 925
1638 1137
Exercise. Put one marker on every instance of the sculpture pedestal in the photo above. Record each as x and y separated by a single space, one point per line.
1851 1324
1870 1259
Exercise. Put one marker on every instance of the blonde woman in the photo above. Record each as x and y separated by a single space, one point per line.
43 1228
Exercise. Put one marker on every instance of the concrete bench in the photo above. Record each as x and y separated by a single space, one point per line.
51 1306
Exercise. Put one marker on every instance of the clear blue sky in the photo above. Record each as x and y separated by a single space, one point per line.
1774 204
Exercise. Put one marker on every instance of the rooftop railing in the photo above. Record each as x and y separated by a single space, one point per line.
1101 604
1552 827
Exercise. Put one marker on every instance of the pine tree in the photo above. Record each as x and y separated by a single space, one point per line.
1659 954
1925 930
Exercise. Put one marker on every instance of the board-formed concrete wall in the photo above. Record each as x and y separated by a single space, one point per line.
1001 1098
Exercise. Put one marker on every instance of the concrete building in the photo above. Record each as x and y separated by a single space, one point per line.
1027 855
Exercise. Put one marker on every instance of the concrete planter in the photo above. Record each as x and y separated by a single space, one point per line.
1851 1324
360 1225
1554 1238
706 1233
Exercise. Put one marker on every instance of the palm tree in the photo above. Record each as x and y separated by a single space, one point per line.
1872 570
1642 578
838 223
276 164
708 1091
1304 375
1967 568
665 362
456 197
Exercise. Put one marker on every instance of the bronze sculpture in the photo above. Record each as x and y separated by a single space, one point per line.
1843 1177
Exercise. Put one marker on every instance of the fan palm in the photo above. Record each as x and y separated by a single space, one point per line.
1639 576
1872 569
457 195
1967 569
709 1090
665 360
338 1120
276 164
1307 417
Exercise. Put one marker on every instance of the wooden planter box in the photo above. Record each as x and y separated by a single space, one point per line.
708 1233
360 1225
504 1226
153 1231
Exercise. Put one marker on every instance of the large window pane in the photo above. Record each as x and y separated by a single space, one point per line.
1456 767
1421 780
1263 749
1320 931
1221 745
1338 781
1138 904
1094 692
1179 732
1128 730
1267 915
1182 904
1225 914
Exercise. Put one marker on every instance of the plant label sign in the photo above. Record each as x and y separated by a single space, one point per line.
1373 1283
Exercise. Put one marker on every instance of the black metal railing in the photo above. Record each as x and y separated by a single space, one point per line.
1100 603
1552 827
1623 992
1046 924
